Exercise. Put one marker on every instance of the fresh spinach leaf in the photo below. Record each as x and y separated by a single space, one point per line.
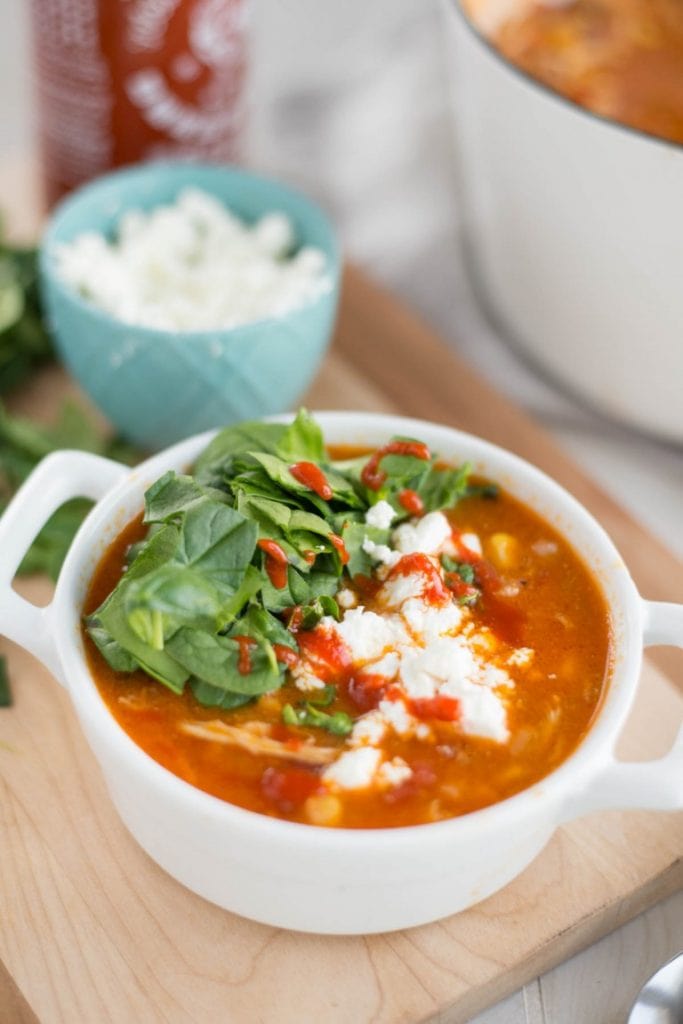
302 440
444 487
214 697
339 723
215 660
5 691
312 613
218 542
173 494
111 650
217 458
170 597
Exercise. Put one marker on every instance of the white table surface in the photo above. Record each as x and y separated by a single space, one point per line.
349 101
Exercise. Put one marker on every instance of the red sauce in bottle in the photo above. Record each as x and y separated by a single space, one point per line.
373 477
311 476
276 563
122 81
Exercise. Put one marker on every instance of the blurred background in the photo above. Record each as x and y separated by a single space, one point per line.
351 103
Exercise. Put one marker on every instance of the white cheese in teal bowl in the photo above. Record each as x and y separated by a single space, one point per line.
183 296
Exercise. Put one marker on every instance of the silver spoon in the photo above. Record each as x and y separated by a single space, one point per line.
660 1000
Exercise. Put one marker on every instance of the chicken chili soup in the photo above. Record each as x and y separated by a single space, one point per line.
345 638
622 59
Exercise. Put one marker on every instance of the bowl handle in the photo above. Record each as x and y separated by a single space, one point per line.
60 477
650 785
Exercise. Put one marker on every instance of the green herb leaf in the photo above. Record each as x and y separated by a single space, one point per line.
215 659
111 650
338 723
214 697
173 494
5 692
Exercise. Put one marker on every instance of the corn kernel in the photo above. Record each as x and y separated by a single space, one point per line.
323 809
504 550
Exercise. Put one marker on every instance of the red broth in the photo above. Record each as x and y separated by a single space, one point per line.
622 59
537 594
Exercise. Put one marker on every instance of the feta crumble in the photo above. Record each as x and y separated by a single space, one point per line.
380 515
380 552
194 266
354 769
394 772
426 535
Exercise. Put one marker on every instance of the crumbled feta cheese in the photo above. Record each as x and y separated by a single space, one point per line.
369 728
430 621
367 634
394 772
471 542
194 266
380 515
482 713
346 599
380 552
399 588
426 535
387 666
395 714
521 657
354 769
305 679
425 650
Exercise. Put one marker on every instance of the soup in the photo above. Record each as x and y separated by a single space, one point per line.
345 638
622 59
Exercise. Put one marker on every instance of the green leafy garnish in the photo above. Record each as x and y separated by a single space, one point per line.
197 595
339 723
5 692
24 341
22 445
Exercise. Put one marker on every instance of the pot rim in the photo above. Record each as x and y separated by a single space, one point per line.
535 85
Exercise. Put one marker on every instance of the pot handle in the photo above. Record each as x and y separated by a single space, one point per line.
60 477
650 785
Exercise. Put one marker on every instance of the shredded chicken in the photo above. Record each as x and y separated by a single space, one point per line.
253 736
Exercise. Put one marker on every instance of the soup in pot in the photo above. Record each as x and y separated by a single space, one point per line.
622 59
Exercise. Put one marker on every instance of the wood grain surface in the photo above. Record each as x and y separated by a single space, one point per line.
92 930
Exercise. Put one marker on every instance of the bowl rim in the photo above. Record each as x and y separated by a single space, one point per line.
119 177
548 92
567 780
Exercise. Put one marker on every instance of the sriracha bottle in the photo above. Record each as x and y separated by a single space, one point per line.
121 81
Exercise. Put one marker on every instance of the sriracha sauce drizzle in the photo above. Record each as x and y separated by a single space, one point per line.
411 502
244 660
339 544
312 476
276 563
373 477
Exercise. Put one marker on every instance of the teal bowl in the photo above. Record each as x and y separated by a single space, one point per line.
158 386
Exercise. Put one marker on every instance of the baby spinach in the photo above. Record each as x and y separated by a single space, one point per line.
198 583
5 691
215 659
174 494
339 723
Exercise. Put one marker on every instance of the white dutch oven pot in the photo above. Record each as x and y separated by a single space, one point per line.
573 234
301 876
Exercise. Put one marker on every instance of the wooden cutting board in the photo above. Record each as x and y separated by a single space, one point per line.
91 930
